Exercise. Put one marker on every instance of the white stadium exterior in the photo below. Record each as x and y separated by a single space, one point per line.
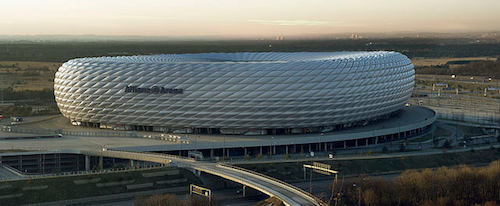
234 93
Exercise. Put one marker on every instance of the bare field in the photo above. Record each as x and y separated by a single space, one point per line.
419 61
23 75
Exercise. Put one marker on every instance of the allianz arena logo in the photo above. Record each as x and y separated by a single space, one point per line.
153 90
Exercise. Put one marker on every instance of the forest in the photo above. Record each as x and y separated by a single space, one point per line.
61 51
462 185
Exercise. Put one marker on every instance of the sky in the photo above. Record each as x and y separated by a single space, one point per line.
244 18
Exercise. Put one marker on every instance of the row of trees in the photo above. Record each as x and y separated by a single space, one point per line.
414 47
445 186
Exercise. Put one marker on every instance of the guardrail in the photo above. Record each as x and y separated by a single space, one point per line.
129 155
81 173
14 129
319 201
190 159
168 156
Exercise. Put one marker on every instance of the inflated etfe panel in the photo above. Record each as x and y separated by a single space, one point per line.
234 90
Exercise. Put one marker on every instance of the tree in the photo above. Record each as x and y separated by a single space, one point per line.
402 147
385 149
447 144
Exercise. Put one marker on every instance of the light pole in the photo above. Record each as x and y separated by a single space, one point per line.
273 148
224 149
454 77
358 189
180 147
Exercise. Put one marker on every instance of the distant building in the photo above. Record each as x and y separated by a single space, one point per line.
280 38
356 36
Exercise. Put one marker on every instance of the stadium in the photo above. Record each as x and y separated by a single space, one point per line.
234 93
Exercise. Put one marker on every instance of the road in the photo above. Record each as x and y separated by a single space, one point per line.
6 173
287 193
290 195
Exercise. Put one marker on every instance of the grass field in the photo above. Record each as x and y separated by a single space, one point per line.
419 61
22 75
72 187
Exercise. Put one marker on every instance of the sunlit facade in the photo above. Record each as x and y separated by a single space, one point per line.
234 93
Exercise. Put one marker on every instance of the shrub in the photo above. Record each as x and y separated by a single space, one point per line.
385 149
447 144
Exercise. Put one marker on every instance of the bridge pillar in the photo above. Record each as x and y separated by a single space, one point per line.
261 151
305 173
345 144
59 162
286 149
376 140
366 141
223 153
87 163
310 148
245 152
326 149
211 153
244 190
21 163
131 163
356 142
274 149
100 162
196 172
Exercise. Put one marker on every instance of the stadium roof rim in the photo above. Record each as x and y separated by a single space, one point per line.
243 57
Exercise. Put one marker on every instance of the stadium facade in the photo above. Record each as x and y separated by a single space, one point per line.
234 93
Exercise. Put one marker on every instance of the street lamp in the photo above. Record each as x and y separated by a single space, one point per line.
456 104
359 193
224 149
273 148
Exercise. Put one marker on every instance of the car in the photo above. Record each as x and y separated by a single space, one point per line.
16 119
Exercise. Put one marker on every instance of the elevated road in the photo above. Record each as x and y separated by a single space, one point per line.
290 195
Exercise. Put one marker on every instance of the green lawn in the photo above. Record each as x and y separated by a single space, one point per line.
62 188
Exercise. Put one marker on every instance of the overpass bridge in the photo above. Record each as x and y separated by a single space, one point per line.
290 195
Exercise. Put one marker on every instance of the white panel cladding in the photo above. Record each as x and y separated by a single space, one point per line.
235 90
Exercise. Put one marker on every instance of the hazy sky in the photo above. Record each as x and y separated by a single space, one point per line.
245 18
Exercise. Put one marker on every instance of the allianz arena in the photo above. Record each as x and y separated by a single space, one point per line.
234 93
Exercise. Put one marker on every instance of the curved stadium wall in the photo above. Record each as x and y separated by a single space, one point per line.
234 93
